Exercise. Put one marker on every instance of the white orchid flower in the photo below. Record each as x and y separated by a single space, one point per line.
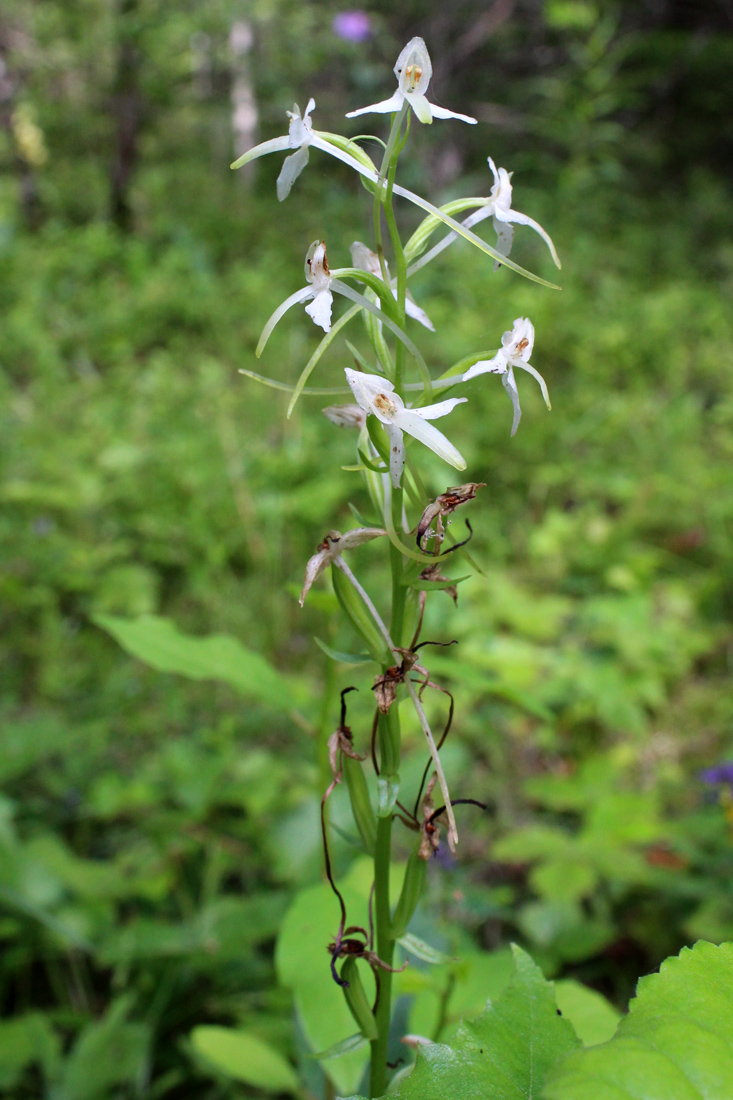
413 71
300 137
499 207
318 275
504 217
366 259
322 284
332 548
515 352
376 395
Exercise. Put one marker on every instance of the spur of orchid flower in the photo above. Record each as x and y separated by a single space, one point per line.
300 137
367 260
516 348
413 71
376 396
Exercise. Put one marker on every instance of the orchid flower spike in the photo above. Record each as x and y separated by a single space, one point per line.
300 137
333 547
515 352
376 395
413 71
367 260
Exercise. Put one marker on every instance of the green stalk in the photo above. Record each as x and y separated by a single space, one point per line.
385 950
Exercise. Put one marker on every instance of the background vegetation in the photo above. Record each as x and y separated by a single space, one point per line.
154 830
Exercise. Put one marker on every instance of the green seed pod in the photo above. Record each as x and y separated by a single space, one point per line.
353 607
361 805
357 999
389 742
412 889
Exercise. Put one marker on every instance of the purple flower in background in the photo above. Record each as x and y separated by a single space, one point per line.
352 26
721 773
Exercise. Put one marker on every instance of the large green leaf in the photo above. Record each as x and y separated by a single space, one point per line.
159 643
675 1044
506 1053
244 1056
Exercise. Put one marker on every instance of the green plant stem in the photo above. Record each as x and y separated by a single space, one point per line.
385 950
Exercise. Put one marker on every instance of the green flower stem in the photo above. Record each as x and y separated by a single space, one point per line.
385 950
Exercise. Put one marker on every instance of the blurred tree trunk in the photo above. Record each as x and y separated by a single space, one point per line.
26 140
244 107
126 109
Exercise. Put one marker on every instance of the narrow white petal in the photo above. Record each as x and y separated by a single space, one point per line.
313 570
523 219
420 106
291 169
442 112
412 309
511 388
320 309
396 454
440 408
274 145
535 374
411 422
497 365
385 107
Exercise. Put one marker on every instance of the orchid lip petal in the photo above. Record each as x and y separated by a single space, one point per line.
510 386
320 309
291 169
396 454
420 106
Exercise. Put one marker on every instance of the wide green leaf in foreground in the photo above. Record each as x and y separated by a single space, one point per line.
506 1053
159 643
244 1056
675 1044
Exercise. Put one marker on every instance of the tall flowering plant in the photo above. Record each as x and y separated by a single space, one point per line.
395 403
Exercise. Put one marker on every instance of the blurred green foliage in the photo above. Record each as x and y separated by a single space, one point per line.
154 830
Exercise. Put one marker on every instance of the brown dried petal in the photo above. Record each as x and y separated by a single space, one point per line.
385 688
443 506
